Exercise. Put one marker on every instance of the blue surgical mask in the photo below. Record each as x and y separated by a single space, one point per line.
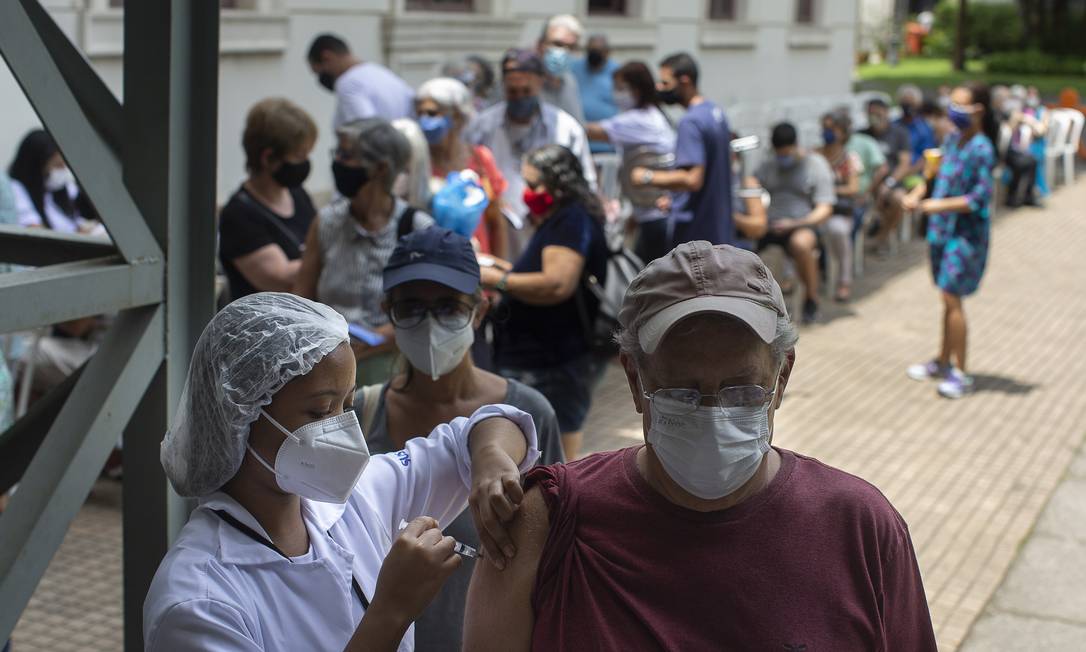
828 136
961 119
434 127
522 108
556 60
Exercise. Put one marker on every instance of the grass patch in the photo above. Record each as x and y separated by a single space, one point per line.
928 74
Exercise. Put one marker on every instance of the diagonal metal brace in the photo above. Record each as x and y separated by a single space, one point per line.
29 246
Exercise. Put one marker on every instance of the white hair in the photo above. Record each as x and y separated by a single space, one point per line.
450 94
784 340
414 185
568 21
911 91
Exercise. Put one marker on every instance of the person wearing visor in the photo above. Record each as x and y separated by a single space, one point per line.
301 539
707 536
434 301
522 123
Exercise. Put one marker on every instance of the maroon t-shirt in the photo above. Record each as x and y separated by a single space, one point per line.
818 560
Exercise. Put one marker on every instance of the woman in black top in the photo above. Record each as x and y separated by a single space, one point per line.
262 228
543 341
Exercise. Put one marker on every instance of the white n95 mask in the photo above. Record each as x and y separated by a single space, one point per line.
434 349
711 452
321 461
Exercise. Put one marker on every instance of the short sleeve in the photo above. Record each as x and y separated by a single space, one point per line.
689 144
624 129
571 230
562 513
904 141
26 214
240 231
874 155
822 181
906 619
201 624
354 104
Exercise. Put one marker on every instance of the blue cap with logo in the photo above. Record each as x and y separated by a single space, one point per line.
433 254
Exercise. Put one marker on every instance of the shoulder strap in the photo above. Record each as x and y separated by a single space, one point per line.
248 200
249 532
371 397
407 222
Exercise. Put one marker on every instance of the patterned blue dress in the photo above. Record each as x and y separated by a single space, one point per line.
959 241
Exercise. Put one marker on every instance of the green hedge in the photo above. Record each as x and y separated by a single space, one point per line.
1034 62
990 28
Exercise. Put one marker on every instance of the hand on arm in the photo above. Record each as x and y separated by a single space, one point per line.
497 448
305 284
498 615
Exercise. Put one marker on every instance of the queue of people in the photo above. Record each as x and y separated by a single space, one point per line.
326 512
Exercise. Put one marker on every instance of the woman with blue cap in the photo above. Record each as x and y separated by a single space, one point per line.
300 540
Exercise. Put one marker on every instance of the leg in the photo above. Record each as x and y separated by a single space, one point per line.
892 212
801 247
955 337
839 242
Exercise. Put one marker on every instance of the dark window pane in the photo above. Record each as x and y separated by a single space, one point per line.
611 7
805 11
440 5
225 4
722 9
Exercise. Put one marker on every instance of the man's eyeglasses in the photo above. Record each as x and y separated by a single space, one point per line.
681 402
450 313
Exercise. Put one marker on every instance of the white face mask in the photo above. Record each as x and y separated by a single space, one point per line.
321 461
434 349
58 179
710 453
624 100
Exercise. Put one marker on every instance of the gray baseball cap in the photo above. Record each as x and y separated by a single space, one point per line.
698 277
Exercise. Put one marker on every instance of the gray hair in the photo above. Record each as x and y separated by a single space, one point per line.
375 141
415 181
450 94
911 91
784 340
568 21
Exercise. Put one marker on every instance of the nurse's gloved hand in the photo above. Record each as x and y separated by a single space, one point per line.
420 561
495 497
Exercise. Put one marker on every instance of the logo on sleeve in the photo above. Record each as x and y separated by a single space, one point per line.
404 457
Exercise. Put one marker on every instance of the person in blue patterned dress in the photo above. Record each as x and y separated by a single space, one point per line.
958 229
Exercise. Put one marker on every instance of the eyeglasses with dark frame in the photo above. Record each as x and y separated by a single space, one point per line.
453 314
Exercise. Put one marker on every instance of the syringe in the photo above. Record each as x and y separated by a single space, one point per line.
461 549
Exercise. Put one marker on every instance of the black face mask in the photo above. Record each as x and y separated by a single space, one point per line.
327 80
522 108
670 96
908 110
290 174
595 58
349 179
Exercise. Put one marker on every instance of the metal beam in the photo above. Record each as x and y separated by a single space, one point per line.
20 441
58 293
88 153
62 472
24 246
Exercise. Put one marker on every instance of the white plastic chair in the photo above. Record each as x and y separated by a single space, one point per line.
1070 145
1059 126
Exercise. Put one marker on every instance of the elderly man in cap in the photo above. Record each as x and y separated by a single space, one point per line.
520 124
707 537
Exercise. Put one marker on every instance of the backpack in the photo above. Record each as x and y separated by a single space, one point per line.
622 266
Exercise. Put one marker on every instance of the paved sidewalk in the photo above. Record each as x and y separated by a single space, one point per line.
970 477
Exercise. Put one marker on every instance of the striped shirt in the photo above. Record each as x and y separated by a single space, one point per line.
352 260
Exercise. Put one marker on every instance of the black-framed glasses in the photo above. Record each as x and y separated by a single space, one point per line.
681 401
450 313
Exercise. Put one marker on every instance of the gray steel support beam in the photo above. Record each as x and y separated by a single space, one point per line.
90 155
20 442
58 479
48 295
37 247
171 115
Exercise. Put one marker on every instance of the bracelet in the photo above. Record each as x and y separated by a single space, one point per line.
890 182
646 177
501 285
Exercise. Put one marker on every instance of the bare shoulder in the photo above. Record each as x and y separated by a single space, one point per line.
499 610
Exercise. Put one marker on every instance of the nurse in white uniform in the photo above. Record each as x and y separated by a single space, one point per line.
293 547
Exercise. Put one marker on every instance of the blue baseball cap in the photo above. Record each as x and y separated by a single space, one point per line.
433 254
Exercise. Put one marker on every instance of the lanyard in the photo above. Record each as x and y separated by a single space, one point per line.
248 531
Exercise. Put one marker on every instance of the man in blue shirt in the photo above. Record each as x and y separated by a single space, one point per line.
701 183
910 98
595 81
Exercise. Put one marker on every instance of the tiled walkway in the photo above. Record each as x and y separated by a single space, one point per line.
970 477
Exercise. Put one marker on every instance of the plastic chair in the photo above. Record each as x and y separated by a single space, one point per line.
1071 144
1059 126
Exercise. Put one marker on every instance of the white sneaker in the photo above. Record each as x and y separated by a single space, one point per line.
927 371
956 384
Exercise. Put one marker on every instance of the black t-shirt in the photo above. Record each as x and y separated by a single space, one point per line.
246 225
533 337
892 142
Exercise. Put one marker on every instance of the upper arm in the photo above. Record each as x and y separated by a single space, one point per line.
268 269
306 283
689 145
201 624
498 615
595 131
26 214
563 266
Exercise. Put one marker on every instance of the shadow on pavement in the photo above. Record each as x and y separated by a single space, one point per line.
1001 384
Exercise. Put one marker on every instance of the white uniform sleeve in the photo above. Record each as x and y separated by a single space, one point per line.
578 144
432 475
206 625
24 207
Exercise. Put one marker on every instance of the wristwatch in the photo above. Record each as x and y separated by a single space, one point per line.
501 285
890 182
646 177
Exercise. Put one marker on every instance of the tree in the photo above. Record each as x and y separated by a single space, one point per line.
959 36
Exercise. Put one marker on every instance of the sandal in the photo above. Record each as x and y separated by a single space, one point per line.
843 295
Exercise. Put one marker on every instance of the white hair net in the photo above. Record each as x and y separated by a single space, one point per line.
450 94
245 355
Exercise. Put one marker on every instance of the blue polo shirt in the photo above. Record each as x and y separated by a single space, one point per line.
596 87
920 135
